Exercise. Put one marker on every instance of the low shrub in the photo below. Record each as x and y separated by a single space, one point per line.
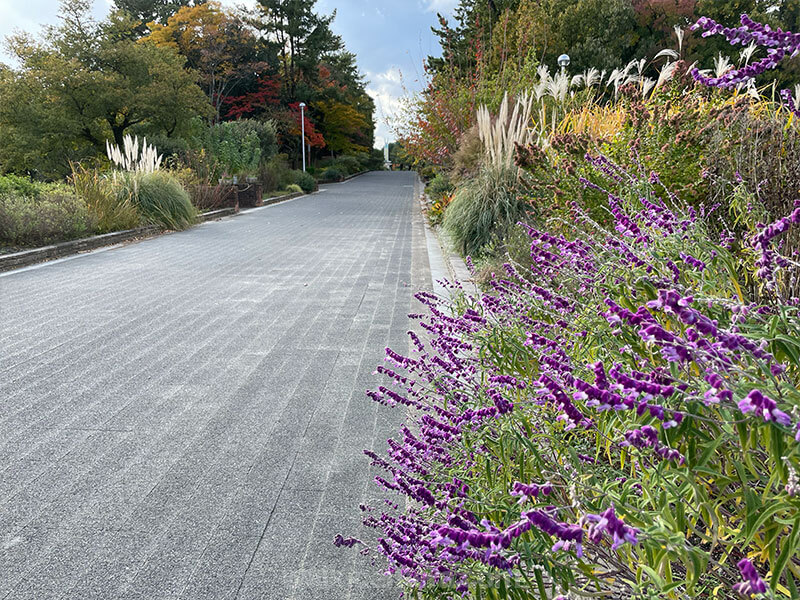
437 208
159 197
275 174
333 174
485 207
293 188
467 159
18 185
304 180
439 186
46 219
109 210
349 164
427 172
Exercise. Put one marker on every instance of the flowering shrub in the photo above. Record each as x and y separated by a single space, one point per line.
621 420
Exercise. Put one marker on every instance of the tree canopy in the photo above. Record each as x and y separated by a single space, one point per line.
169 67
603 34
84 83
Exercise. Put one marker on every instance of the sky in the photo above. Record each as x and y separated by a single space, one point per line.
390 38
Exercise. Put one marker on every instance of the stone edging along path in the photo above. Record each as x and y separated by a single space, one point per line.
26 258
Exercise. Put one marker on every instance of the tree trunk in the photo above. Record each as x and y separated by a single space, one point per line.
119 134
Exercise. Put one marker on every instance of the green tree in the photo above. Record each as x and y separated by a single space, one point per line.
300 37
341 124
84 83
151 11
595 33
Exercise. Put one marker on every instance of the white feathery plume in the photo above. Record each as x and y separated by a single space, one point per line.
129 158
666 52
508 129
747 53
721 65
679 32
666 73
647 85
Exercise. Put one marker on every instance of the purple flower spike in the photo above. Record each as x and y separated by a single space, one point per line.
608 523
525 491
764 407
752 584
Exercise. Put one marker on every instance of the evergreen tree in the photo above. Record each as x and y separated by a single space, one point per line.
300 36
152 11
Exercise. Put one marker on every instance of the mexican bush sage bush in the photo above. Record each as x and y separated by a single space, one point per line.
620 420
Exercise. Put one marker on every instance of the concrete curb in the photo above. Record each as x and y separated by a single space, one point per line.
216 214
17 260
278 199
446 263
349 177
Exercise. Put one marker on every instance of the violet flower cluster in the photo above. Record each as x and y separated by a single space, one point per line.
779 45
647 437
769 260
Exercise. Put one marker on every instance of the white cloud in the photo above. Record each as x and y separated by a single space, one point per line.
387 90
441 6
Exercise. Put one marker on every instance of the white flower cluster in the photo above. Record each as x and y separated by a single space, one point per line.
130 158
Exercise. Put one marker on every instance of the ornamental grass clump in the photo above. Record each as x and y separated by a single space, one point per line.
622 421
110 211
485 207
159 197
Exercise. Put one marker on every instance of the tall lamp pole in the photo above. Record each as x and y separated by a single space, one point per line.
303 133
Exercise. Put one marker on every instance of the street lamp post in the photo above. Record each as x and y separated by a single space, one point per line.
563 62
303 134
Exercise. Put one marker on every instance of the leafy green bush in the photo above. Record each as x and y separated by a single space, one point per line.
236 146
333 174
439 186
266 133
427 172
19 185
293 188
484 207
275 173
49 218
304 180
159 197
349 164
169 147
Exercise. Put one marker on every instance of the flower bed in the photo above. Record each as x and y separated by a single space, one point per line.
620 418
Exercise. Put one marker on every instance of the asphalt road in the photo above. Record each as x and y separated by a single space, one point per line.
184 417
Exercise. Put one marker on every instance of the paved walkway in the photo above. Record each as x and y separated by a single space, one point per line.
184 417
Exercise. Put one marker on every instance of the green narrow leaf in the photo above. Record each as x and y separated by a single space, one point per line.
789 550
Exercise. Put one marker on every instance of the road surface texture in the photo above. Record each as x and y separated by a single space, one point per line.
184 417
